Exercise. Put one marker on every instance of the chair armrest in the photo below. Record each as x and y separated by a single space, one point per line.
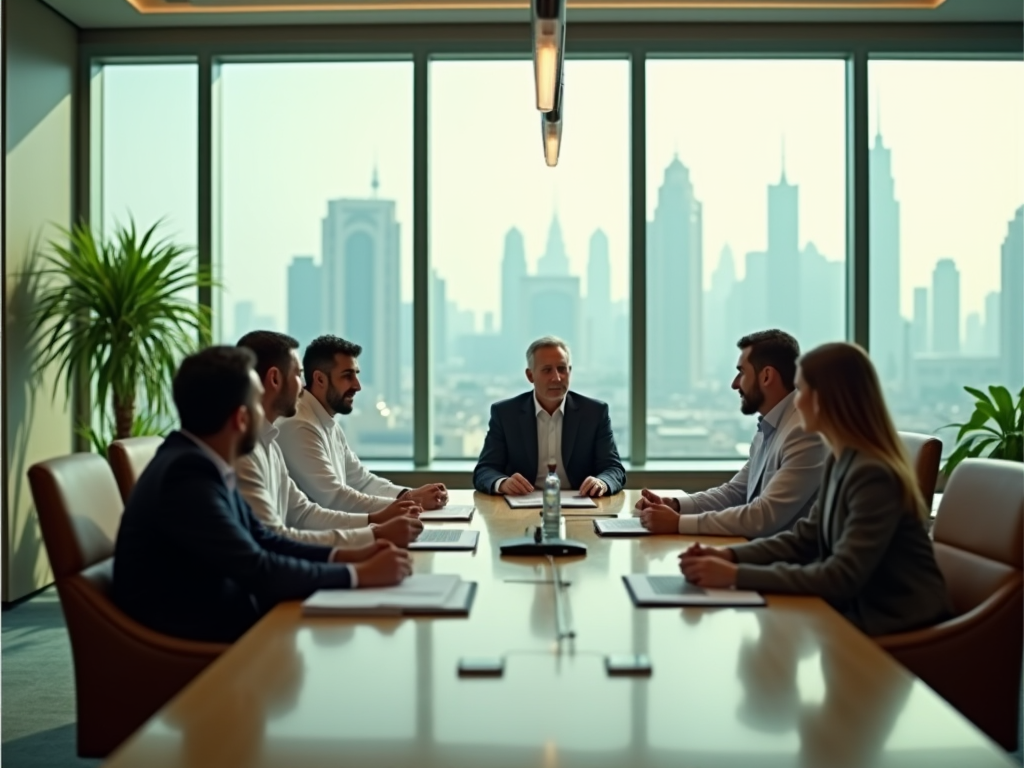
135 631
953 628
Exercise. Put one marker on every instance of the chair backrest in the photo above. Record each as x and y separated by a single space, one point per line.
129 457
979 529
925 454
79 510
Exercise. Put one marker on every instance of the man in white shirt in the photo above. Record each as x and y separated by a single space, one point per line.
549 424
263 478
319 457
779 483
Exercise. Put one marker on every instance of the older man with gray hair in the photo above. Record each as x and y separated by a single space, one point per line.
549 424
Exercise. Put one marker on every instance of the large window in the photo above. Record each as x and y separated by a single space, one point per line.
746 211
316 222
947 234
520 250
149 148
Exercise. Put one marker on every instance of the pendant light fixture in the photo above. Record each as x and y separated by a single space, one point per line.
551 128
548 49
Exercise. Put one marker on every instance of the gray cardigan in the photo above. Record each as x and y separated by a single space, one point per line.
860 549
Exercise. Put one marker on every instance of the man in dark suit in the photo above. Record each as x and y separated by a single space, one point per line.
191 559
549 424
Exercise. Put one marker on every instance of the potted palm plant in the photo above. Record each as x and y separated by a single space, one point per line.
121 312
995 429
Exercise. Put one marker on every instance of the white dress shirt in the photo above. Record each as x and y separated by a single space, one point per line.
325 467
549 442
278 503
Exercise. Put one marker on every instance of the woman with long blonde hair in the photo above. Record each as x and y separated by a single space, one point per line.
863 547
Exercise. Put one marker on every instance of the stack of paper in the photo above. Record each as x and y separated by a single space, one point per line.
569 500
621 526
427 593
453 513
446 539
651 591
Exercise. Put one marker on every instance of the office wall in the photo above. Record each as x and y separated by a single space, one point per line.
40 48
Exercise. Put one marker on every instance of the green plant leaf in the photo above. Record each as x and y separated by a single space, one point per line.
978 395
122 310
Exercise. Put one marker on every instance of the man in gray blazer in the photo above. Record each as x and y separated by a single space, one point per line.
778 484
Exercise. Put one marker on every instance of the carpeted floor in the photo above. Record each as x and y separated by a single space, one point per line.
38 714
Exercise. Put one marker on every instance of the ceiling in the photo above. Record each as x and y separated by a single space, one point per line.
215 13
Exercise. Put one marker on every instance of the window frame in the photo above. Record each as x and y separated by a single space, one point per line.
855 43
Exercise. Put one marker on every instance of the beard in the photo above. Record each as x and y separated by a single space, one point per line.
337 400
286 403
248 442
750 402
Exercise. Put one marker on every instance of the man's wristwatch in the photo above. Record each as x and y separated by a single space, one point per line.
402 492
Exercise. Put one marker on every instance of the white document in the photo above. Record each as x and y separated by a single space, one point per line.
453 512
535 500
676 590
621 526
424 592
445 538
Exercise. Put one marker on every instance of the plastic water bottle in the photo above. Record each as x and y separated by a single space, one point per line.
552 513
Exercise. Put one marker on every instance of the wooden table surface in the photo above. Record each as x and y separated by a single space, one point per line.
792 684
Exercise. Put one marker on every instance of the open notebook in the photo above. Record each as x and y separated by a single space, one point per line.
651 591
421 593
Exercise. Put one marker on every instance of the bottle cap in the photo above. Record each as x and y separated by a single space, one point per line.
551 467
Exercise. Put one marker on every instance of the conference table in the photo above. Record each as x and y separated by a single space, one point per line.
790 684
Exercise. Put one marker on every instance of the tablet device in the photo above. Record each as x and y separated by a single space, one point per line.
627 664
491 666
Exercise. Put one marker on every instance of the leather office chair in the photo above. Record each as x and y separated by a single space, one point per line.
925 454
124 672
974 659
128 458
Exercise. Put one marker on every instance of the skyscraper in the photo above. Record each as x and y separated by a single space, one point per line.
783 285
674 288
305 300
361 284
993 319
1011 329
884 264
946 308
599 321
550 300
438 319
822 286
554 261
719 344
919 327
513 270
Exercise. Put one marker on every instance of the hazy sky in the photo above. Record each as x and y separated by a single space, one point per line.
295 135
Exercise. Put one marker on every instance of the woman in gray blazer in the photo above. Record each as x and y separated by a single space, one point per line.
863 547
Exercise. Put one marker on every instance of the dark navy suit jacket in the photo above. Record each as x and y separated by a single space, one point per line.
191 559
588 446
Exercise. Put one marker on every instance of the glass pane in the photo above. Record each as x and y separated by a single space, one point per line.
947 235
149 167
150 147
520 250
316 222
746 206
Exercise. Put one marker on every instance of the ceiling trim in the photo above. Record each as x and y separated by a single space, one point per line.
419 6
